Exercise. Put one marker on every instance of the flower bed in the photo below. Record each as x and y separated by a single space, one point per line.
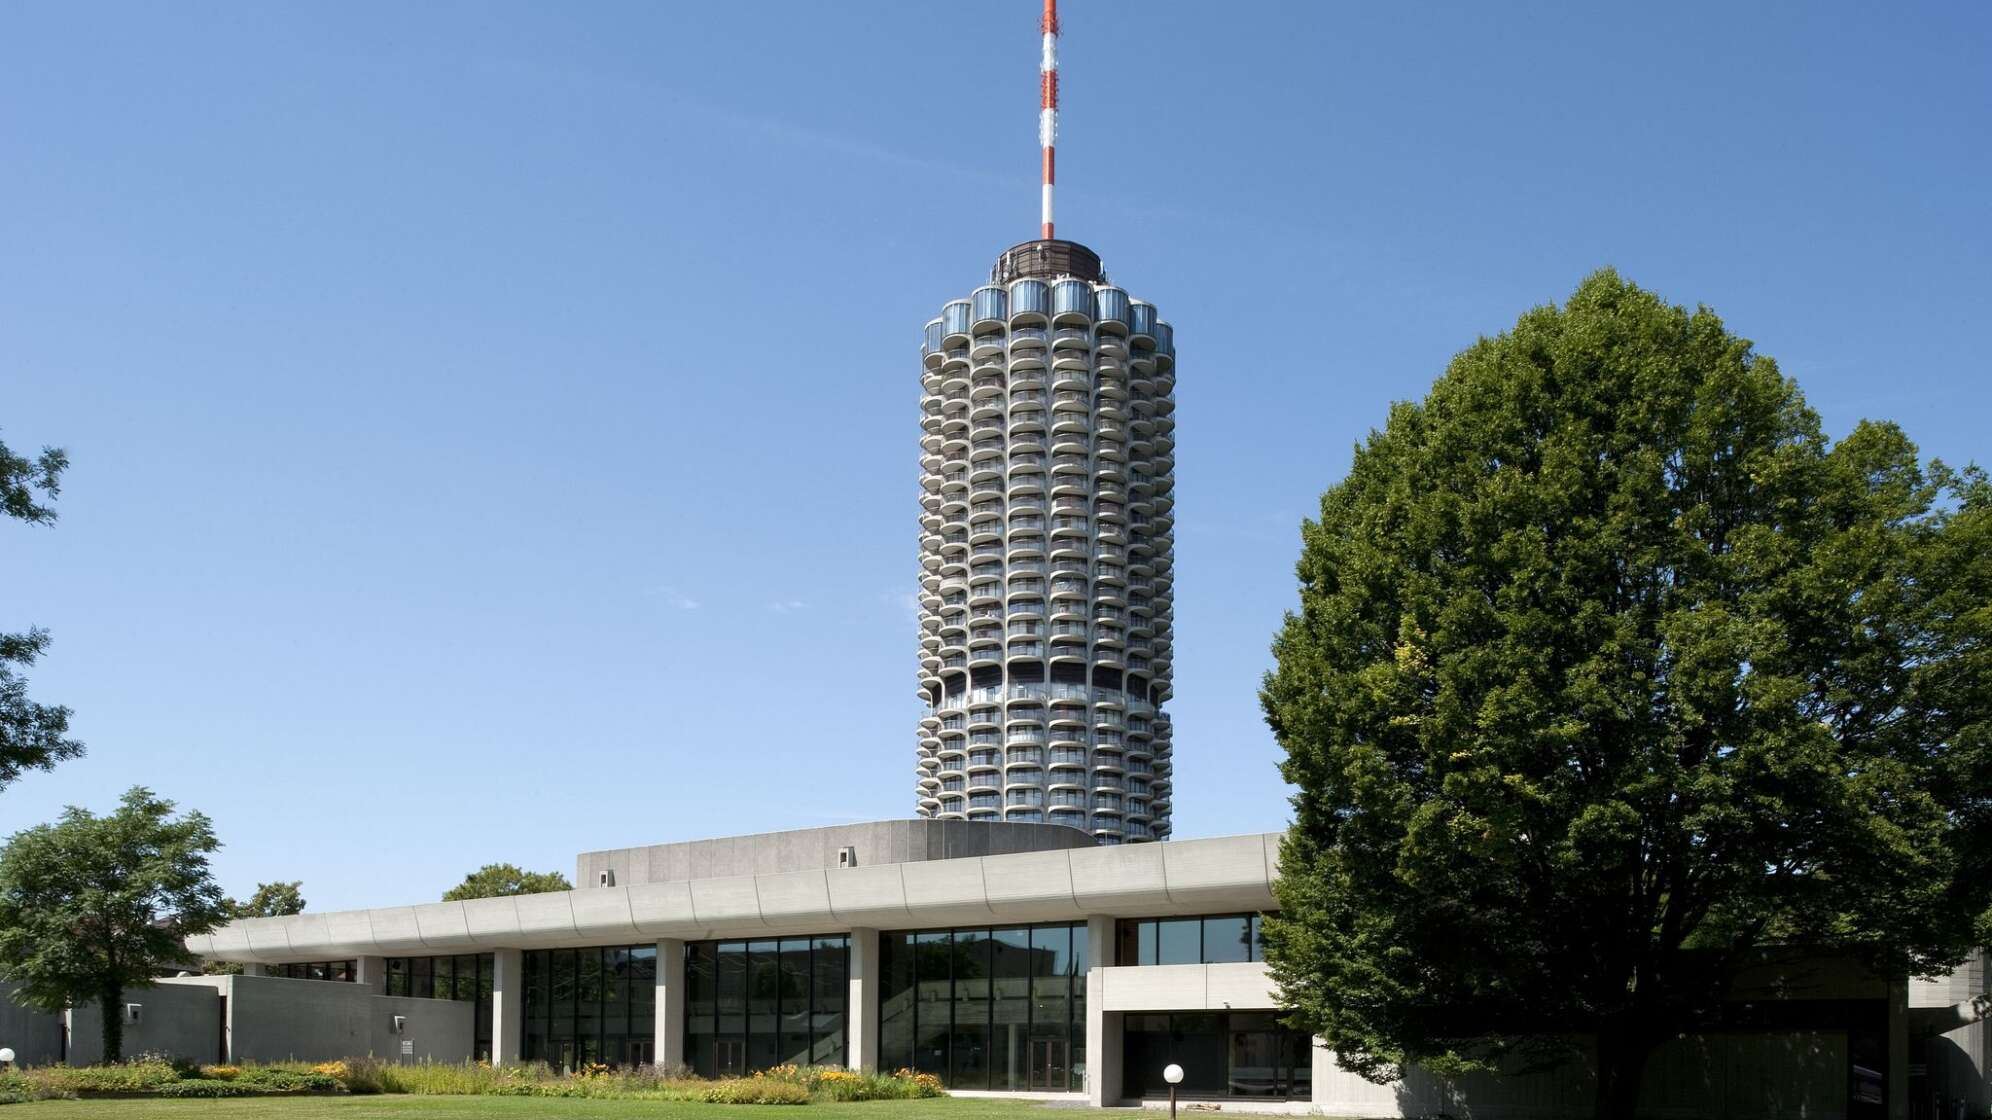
157 1077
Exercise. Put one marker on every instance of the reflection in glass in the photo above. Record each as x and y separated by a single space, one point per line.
997 1008
769 1002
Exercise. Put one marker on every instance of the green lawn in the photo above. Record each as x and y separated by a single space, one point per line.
468 1108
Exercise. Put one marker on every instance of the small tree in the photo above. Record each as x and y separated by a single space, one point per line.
92 906
271 900
1608 671
495 880
32 736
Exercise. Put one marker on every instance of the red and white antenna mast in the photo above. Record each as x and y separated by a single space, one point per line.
1048 103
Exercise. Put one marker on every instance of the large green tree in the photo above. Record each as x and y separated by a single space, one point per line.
494 880
91 906
1610 670
32 736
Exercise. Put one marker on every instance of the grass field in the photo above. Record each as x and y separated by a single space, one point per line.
469 1108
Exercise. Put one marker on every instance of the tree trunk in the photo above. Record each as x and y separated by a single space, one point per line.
111 1006
1623 1048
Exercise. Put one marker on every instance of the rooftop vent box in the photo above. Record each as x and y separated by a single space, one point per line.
847 856
607 878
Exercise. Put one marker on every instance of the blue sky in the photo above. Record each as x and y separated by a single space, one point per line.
495 426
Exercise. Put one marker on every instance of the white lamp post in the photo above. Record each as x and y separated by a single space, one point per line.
1173 1074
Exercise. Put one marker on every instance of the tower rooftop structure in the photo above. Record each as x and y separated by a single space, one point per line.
1048 260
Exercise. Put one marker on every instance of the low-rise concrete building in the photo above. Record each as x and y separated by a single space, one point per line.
1003 957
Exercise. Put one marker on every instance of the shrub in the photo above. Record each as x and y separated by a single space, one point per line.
221 1073
754 1090
208 1087
144 1076
276 1079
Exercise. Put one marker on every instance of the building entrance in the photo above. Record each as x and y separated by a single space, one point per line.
1048 1064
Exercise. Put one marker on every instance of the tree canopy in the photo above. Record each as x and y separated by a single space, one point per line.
32 736
494 880
92 906
271 900
1609 671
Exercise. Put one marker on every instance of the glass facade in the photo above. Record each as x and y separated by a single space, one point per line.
986 1008
1203 939
1223 1054
314 970
466 977
588 1006
750 1005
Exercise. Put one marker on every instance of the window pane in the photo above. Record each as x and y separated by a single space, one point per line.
829 964
731 1043
532 972
1227 940
970 1041
1010 1014
763 984
932 956
792 1016
1051 1008
895 1001
1076 1052
588 1005
701 1007
1127 941
1179 941
642 988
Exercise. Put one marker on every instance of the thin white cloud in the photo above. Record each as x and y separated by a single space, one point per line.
672 597
784 606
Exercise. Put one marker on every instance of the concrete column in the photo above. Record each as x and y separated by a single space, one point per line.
372 974
1323 1067
508 1005
1103 1031
861 1026
255 970
670 1029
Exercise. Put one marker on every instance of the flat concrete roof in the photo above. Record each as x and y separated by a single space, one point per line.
1228 873
897 841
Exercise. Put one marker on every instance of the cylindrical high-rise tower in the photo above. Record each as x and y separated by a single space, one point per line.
1046 551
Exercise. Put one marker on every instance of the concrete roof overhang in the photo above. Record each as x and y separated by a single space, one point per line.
1134 880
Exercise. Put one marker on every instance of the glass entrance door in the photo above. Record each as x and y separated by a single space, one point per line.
1048 1064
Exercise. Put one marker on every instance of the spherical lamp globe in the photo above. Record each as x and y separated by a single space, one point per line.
1173 1074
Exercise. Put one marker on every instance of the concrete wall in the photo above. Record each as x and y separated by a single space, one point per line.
272 1019
34 1036
1968 982
1956 1063
1719 1076
808 849
1187 987
180 1019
